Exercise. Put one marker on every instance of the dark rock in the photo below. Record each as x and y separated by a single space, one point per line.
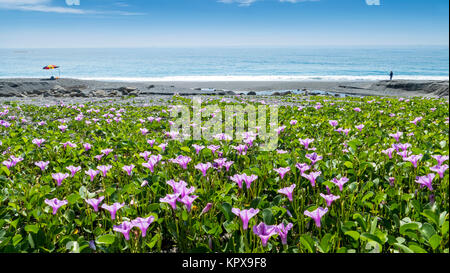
251 93
151 86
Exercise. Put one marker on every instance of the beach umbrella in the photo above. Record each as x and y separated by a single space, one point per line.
51 67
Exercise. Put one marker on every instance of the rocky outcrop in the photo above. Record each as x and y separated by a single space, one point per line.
436 88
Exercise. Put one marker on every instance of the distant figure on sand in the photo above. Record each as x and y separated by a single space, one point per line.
391 75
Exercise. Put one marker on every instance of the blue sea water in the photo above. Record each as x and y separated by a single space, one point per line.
217 64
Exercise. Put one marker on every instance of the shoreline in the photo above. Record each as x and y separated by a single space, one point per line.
67 87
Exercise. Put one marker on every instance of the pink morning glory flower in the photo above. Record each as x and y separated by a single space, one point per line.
180 188
8 164
440 158
55 204
282 171
42 164
87 146
207 208
440 169
15 160
144 131
316 215
171 199
73 170
38 141
306 142
163 146
145 155
329 198
113 209
264 232
241 149
333 123
62 128
187 200
151 142
426 180
128 169
182 161
314 158
198 148
213 148
404 154
228 164
416 120
282 231
245 215
237 178
293 122
397 136
92 173
104 169
360 127
59 177
124 228
106 151
143 224
357 109
288 191
312 177
303 167
404 146
249 179
203 167
391 181
388 152
340 182
414 159
95 202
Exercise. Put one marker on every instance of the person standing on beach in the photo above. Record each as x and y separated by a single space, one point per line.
391 75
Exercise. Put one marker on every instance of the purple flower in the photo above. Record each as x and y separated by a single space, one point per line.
73 170
95 202
360 127
42 164
92 173
171 199
228 164
414 159
282 171
282 231
145 155
153 160
316 215
245 215
305 142
388 152
38 141
113 209
241 149
314 158
340 183
125 229
303 167
357 109
404 154
55 204
163 146
440 158
264 232
207 208
87 146
288 191
104 169
249 179
8 164
182 161
312 177
198 148
213 148
187 200
128 169
143 224
426 180
416 120
106 151
203 167
333 123
59 177
62 128
329 198
391 181
397 136
439 169
237 178
151 142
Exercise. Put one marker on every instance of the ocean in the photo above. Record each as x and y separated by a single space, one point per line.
231 64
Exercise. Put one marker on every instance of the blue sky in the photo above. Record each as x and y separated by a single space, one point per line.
179 23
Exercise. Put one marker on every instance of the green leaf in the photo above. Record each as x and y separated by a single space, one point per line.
325 242
372 237
409 226
32 228
431 216
106 239
73 198
348 164
185 149
417 249
354 234
17 239
226 209
307 242
268 216
435 241
404 248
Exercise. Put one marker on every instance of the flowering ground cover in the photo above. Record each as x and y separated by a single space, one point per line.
348 175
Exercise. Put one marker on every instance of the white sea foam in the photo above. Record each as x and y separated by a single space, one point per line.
262 78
